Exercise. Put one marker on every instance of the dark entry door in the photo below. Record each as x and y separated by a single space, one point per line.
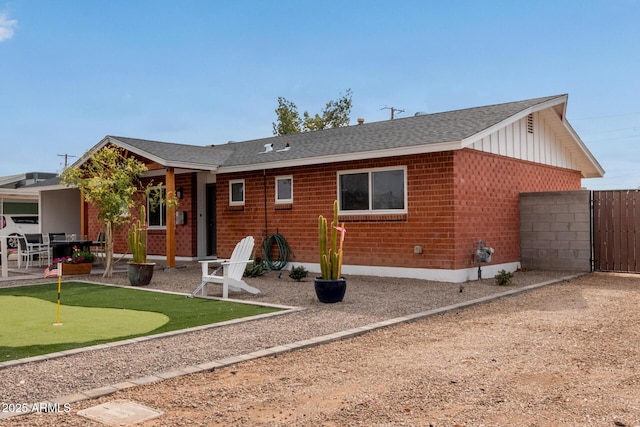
211 219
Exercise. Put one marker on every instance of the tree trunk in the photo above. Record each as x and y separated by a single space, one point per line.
108 249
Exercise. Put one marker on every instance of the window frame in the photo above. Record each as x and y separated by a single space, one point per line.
231 183
277 195
370 172
163 212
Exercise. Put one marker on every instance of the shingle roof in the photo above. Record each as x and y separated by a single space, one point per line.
172 154
415 131
390 134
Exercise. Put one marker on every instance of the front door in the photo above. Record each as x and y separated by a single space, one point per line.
211 219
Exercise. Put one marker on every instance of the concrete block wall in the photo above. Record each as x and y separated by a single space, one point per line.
555 230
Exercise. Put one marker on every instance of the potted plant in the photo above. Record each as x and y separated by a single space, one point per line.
139 270
80 262
330 286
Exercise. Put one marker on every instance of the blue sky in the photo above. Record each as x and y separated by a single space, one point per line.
208 72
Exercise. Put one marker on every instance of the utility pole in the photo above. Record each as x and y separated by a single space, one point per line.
66 158
393 110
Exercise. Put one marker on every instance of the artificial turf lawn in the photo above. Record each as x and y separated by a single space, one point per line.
181 313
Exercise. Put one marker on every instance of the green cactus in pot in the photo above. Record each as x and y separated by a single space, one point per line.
138 238
331 256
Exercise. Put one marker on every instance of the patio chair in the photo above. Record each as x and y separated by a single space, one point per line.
57 237
30 246
232 271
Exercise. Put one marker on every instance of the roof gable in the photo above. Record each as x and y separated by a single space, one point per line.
166 154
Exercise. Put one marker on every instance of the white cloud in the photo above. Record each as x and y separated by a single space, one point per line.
6 27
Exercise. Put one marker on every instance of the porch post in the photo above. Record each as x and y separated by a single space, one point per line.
171 218
84 222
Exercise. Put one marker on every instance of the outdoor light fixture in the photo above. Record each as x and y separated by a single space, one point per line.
180 193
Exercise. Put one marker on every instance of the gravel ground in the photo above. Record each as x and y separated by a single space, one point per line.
561 355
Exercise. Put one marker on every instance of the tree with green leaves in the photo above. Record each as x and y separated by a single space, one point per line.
335 114
109 180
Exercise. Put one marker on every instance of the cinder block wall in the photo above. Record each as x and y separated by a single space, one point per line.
555 230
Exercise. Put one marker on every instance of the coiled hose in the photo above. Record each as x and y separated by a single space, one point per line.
284 252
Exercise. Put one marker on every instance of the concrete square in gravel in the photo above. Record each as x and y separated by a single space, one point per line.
120 413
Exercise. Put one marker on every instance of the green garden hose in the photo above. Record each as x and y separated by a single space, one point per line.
284 252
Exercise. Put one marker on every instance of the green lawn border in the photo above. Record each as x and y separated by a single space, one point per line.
284 309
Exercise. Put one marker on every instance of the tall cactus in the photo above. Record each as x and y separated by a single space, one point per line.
138 238
331 258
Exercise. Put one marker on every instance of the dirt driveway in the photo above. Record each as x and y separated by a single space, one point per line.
563 355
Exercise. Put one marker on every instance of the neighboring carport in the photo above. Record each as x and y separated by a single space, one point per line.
8 195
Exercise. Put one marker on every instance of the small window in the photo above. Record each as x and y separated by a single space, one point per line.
284 189
236 192
376 190
157 215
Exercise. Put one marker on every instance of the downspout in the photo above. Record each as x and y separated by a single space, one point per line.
264 234
264 185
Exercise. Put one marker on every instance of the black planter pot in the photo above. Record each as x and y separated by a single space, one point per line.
140 274
330 291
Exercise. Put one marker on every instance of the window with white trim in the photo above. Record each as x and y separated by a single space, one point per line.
157 214
382 190
284 189
236 192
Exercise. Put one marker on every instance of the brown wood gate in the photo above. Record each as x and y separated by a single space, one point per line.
616 230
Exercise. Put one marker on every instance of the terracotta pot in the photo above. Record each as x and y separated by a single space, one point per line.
330 291
71 269
140 274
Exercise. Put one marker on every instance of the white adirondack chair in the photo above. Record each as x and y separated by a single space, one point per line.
232 271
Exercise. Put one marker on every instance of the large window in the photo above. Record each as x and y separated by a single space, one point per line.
375 190
236 192
284 189
157 215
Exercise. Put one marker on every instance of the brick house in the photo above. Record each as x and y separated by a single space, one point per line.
416 193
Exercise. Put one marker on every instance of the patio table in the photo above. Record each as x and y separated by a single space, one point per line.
64 248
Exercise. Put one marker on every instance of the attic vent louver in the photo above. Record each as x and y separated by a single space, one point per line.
530 123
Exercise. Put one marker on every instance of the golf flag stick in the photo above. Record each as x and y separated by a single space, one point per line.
58 323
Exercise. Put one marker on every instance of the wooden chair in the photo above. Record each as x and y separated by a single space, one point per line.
30 246
232 271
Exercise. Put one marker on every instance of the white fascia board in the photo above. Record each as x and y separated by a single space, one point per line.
142 153
585 151
364 155
512 119
164 162
90 152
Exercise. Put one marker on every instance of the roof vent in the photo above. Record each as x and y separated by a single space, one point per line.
360 120
267 148
286 148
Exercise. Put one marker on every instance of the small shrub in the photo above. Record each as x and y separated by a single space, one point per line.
298 273
503 278
254 269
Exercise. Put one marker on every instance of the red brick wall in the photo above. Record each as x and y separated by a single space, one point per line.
486 201
186 235
454 199
371 240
